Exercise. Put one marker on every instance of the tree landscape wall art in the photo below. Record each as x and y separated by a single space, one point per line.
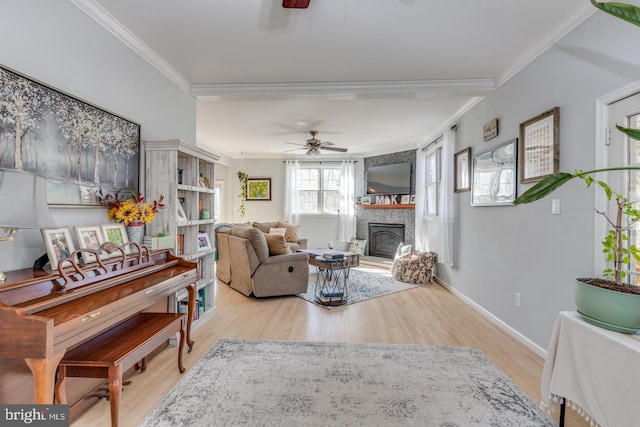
79 148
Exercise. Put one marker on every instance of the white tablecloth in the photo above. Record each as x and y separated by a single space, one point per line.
596 370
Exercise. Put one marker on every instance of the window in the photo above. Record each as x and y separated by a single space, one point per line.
432 182
319 190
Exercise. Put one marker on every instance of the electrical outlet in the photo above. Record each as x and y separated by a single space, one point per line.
518 300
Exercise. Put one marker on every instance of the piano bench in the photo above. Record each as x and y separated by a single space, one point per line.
114 351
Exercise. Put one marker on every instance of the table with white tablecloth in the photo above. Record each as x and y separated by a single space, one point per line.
595 370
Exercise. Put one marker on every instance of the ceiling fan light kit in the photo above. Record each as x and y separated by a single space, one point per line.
314 145
295 4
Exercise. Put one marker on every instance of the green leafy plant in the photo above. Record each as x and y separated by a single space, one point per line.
242 177
615 242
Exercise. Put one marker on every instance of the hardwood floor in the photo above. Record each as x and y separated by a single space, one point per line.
428 315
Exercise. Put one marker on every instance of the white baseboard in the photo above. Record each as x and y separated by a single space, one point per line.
497 322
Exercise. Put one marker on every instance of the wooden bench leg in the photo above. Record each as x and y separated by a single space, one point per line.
180 347
60 388
115 390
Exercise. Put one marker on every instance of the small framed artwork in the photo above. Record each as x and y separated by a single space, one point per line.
366 200
404 199
462 170
203 182
494 176
259 189
181 216
490 129
539 148
116 233
90 238
358 200
203 241
58 244
412 199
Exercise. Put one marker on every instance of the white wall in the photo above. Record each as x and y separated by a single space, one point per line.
504 250
52 41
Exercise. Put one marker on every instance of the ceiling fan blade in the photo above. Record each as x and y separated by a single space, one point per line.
325 143
295 143
342 150
295 149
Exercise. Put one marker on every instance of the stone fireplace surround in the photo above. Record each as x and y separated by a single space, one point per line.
388 216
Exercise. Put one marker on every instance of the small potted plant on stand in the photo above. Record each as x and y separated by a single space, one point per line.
608 303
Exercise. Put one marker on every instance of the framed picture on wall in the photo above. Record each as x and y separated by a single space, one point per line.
462 170
259 189
539 150
494 176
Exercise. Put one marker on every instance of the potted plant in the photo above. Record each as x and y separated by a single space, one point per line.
609 303
242 177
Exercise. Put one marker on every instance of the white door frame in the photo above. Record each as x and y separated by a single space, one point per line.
602 160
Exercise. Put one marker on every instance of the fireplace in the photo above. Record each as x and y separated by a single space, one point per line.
384 239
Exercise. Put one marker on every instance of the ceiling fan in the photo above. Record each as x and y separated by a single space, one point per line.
314 145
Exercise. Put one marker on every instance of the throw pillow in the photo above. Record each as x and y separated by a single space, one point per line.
291 235
277 245
357 246
278 231
402 250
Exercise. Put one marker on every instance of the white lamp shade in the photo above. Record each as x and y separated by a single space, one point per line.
24 200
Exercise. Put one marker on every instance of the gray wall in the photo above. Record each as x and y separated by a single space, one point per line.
52 41
503 250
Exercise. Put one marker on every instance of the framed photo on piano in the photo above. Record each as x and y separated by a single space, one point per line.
59 245
90 238
116 233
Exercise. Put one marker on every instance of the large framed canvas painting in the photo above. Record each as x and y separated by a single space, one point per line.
80 149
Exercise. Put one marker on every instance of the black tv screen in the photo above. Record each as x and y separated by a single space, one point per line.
389 179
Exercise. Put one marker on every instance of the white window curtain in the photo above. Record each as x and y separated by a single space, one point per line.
447 212
347 211
291 212
421 242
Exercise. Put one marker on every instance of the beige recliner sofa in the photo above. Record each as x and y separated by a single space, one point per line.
245 264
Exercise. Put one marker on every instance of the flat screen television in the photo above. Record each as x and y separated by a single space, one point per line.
389 179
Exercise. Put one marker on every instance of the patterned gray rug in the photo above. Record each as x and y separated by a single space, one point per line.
363 284
286 383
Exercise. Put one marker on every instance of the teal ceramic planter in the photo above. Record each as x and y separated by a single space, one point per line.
616 311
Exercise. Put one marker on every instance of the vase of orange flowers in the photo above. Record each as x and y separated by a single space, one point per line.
132 210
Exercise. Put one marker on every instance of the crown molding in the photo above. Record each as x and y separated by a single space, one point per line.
463 87
111 24
546 43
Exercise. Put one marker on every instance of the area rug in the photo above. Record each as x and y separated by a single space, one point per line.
286 383
363 284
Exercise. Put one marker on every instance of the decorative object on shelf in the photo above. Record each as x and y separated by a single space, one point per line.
259 189
66 127
203 241
404 199
59 245
490 129
366 200
242 177
539 150
90 237
412 200
181 216
28 207
203 182
494 176
135 232
462 170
